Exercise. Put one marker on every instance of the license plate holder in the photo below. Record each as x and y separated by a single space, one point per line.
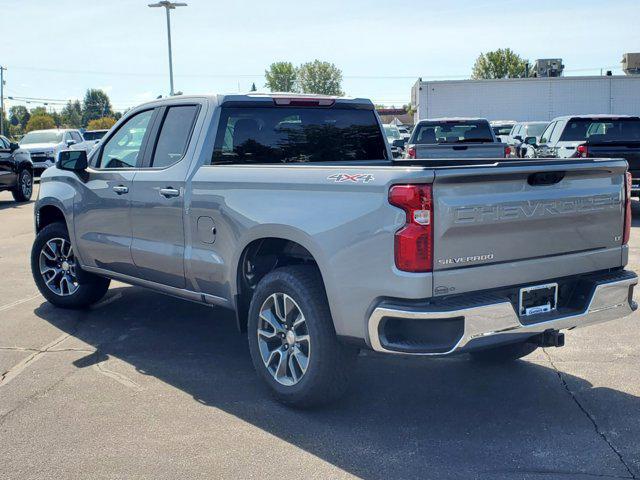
538 299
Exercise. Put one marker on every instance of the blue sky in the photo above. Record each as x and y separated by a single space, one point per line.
58 49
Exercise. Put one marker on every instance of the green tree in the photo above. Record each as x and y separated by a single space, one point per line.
320 77
281 77
40 122
104 123
96 104
253 87
39 111
19 116
72 114
501 63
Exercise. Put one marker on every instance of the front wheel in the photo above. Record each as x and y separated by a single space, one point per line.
23 191
57 274
504 353
292 339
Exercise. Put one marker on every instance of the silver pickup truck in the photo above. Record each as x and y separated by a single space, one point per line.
291 212
456 138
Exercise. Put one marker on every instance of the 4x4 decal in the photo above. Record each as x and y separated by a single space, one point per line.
351 177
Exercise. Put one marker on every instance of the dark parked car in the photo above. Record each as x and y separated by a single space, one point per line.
16 170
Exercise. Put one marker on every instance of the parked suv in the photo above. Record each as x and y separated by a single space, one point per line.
290 211
44 145
16 170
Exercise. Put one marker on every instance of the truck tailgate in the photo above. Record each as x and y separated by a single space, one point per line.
519 222
460 150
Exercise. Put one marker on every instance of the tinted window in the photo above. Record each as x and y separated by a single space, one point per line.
122 149
174 135
297 134
557 131
502 129
453 131
94 134
602 129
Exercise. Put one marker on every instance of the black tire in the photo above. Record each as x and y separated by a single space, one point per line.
504 353
23 191
330 363
89 288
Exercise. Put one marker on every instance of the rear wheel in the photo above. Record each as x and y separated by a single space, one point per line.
56 273
23 191
504 353
292 340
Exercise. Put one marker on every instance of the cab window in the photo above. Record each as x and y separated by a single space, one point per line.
123 148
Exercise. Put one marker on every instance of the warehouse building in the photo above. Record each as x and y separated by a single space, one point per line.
525 99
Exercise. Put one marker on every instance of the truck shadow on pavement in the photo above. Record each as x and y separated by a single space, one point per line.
402 418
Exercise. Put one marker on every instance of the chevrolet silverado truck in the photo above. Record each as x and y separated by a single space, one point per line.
457 138
291 212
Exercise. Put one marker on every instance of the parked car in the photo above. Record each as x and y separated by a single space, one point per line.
519 132
44 145
395 140
596 136
291 212
454 138
580 136
93 135
16 170
405 134
502 128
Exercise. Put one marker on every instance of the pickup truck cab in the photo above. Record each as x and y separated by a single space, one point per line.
455 138
291 212
16 170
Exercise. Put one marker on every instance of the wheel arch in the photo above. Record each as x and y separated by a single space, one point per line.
263 254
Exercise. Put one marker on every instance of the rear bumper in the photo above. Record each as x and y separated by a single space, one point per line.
488 319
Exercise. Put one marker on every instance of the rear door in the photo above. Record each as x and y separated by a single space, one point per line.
102 218
504 225
7 171
157 197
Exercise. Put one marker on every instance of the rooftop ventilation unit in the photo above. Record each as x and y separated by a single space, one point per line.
548 67
631 63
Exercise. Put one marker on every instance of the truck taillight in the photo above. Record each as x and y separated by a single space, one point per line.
411 152
583 151
627 209
507 152
414 241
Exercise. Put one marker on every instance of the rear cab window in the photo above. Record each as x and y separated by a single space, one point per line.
453 131
288 134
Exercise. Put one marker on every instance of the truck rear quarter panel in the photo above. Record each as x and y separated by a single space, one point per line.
346 223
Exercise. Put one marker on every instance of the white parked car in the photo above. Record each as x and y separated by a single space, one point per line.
395 140
44 145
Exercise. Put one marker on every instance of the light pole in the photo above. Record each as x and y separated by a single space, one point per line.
169 6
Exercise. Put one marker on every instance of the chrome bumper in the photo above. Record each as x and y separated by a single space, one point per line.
609 301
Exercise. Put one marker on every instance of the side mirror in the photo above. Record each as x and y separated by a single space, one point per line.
13 146
72 160
530 140
70 142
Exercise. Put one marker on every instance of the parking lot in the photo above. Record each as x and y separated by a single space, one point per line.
147 386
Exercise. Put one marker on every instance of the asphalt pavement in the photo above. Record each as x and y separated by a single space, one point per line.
147 386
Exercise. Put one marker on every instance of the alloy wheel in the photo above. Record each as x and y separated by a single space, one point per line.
26 184
58 267
283 339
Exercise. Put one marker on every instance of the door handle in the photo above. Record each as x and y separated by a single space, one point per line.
121 189
169 192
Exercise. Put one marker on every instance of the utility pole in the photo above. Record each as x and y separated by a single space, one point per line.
169 6
2 69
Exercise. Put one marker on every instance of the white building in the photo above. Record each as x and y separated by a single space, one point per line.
525 99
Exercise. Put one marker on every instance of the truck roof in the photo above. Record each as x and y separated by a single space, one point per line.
599 116
455 119
275 97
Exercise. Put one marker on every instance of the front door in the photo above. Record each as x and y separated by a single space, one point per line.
102 216
7 170
157 198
